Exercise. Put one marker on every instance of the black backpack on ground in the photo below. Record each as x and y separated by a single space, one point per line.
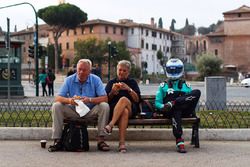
75 138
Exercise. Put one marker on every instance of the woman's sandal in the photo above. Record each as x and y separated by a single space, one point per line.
102 146
108 129
122 148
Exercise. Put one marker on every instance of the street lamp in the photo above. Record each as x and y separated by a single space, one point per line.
109 46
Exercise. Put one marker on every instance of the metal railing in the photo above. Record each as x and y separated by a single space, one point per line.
36 112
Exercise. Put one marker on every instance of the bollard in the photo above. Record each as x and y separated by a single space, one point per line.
215 89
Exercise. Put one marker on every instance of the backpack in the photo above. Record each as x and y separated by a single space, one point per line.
75 138
48 80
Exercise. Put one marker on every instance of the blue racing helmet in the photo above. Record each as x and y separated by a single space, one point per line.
174 68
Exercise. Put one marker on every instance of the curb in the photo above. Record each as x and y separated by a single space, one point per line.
136 134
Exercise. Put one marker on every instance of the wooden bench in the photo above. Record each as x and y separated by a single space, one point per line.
195 122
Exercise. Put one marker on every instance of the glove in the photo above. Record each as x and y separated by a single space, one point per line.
168 106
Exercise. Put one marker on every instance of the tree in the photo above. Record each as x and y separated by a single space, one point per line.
186 24
208 65
97 51
162 60
211 28
160 23
91 49
172 25
60 18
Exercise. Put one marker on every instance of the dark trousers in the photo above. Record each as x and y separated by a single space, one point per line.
44 89
184 107
51 89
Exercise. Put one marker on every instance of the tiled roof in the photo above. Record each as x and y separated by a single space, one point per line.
242 9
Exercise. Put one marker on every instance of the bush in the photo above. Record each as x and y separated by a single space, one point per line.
208 65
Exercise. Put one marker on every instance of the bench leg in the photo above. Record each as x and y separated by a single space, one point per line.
195 135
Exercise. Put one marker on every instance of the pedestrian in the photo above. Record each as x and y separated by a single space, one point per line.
42 80
90 90
124 96
50 82
176 99
72 70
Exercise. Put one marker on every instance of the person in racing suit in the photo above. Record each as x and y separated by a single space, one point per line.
176 99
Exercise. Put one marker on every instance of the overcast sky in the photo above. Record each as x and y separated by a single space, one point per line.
198 12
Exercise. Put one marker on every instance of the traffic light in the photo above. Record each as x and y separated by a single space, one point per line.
31 51
41 51
114 51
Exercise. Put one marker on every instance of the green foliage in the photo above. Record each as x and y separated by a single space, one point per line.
211 28
172 25
89 49
61 18
135 72
187 30
64 15
160 23
208 65
162 59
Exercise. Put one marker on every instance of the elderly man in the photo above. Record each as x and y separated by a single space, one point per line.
87 87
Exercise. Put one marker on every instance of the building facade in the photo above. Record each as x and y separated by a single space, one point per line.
142 40
230 41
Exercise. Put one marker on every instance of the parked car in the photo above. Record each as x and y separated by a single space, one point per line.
245 82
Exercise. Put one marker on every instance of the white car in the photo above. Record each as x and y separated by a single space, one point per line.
245 82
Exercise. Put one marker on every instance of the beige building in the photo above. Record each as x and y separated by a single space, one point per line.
99 29
27 36
230 41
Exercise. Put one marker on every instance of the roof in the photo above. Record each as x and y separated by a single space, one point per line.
242 9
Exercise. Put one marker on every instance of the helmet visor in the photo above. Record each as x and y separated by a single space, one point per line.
174 70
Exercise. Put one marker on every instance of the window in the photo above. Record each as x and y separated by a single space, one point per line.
132 31
146 45
141 31
160 35
216 52
154 47
146 32
154 34
67 45
106 29
114 30
121 31
205 45
75 32
67 32
83 31
142 43
60 46
91 29
167 48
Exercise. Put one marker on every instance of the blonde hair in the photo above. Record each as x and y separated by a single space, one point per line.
85 61
125 63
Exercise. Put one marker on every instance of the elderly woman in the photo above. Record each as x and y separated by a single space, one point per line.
123 97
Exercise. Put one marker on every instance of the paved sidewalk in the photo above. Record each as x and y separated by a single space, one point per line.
140 154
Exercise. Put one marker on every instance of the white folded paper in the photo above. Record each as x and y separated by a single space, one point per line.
81 109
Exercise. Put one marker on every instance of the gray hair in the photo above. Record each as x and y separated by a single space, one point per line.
125 63
85 61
